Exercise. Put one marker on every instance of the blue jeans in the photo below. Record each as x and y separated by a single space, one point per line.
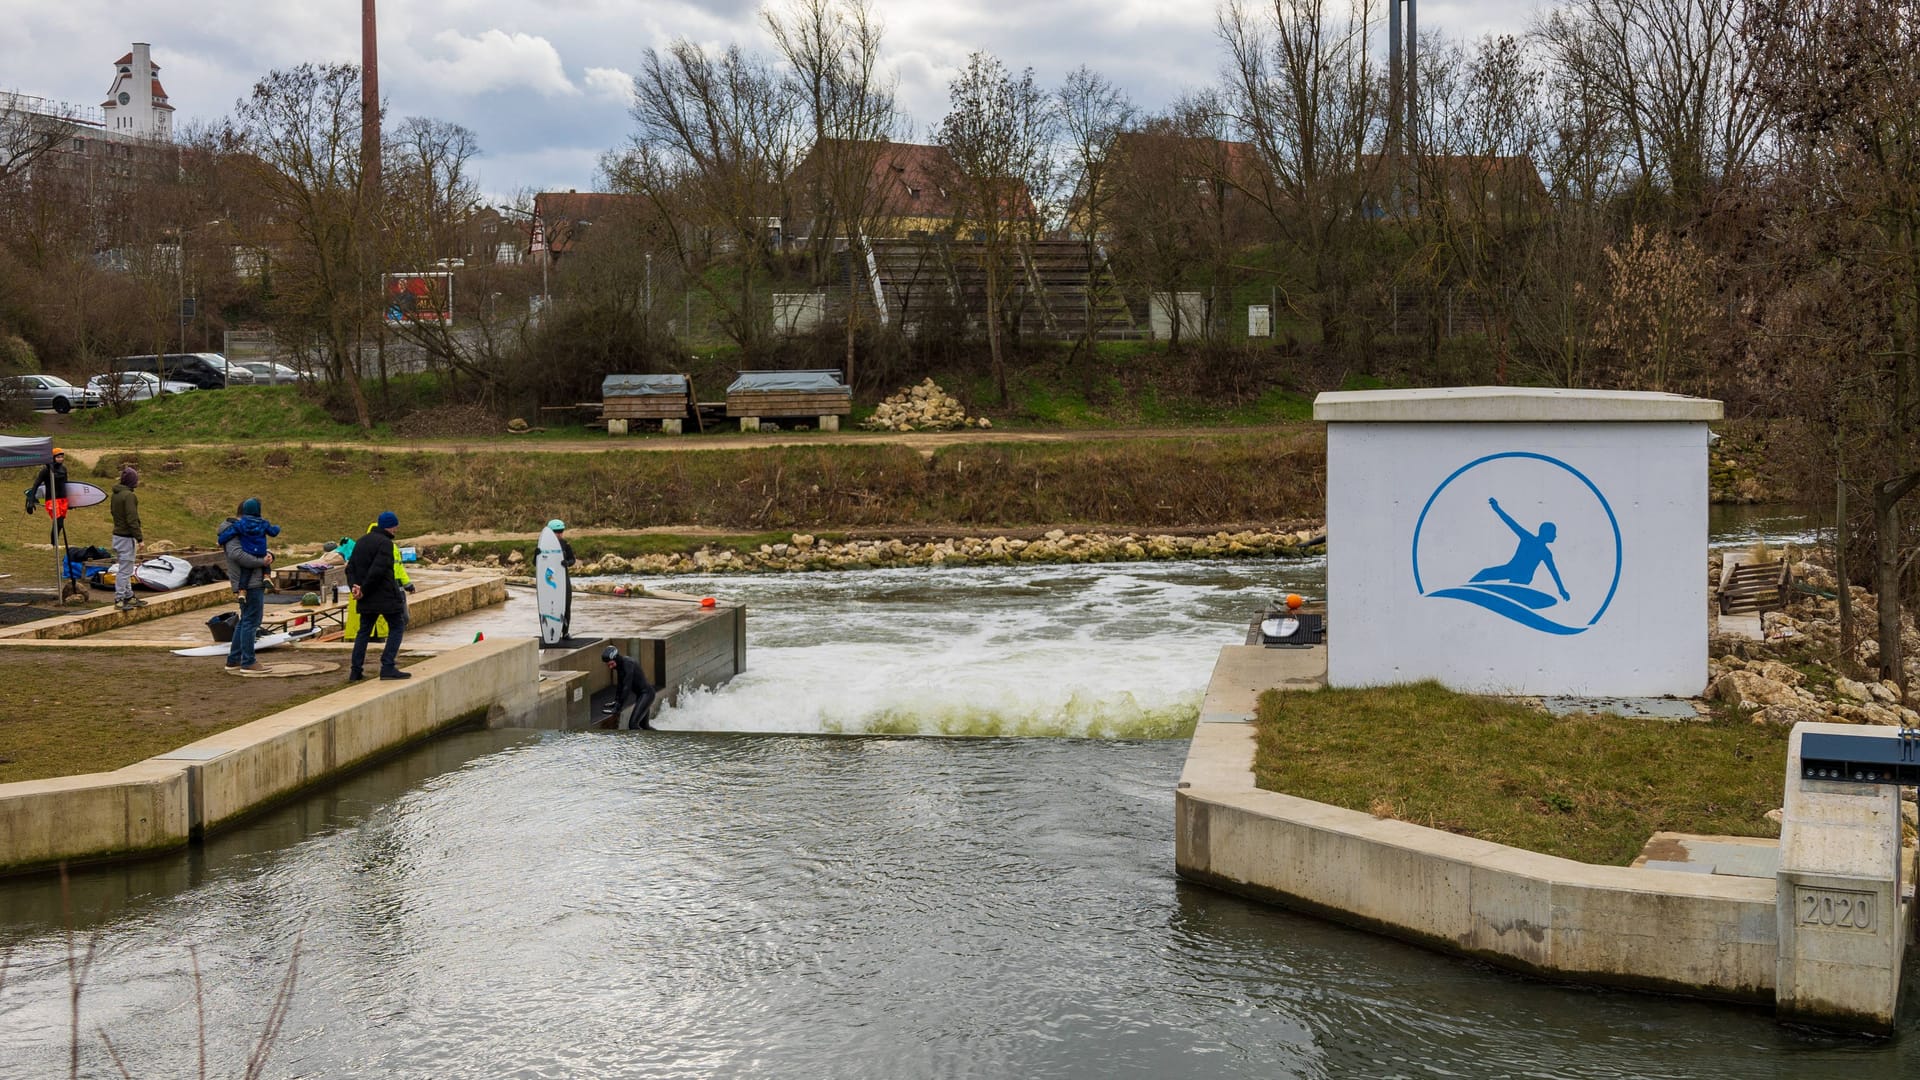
396 628
253 605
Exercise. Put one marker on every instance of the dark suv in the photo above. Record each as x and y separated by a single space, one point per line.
208 371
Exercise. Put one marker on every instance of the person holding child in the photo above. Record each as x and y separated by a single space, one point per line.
244 536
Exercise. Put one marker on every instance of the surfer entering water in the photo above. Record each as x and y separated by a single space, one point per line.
629 683
1527 557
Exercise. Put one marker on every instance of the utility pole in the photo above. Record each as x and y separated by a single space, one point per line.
369 98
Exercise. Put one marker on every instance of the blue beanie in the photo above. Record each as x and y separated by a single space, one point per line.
388 520
251 506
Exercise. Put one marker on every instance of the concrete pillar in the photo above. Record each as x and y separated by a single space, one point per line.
672 427
1841 921
830 423
616 427
749 423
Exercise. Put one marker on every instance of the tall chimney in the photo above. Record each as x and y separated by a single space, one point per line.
369 97
140 89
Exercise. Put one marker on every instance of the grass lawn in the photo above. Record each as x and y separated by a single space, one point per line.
1591 788
70 711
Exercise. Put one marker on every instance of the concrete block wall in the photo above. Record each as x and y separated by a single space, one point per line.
165 801
1698 934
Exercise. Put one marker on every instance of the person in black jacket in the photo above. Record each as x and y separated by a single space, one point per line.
376 592
629 682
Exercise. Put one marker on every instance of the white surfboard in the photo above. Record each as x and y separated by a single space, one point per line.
550 588
78 494
267 642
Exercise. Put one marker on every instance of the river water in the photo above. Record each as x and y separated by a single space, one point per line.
737 896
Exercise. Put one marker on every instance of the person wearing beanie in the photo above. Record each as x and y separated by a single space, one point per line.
126 538
388 521
377 594
244 537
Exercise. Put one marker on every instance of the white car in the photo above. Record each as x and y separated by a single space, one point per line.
135 386
269 373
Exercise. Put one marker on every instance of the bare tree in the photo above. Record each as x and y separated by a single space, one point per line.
1094 113
1302 89
1678 75
1845 75
1480 192
716 141
29 128
999 133
300 134
846 100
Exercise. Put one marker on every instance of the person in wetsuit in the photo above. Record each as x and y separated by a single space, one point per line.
1527 557
628 682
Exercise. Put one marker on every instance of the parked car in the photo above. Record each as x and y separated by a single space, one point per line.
136 386
53 392
208 371
270 373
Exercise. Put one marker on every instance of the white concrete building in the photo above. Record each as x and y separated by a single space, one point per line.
136 105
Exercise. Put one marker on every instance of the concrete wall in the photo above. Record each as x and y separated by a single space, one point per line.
159 606
1422 577
164 801
1649 929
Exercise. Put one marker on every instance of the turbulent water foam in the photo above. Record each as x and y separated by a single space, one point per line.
1105 651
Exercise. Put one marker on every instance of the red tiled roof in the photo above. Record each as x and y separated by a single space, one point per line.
127 59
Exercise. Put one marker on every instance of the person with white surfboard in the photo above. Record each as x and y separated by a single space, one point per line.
553 585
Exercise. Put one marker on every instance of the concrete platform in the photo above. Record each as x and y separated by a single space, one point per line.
1730 856
594 616
1244 672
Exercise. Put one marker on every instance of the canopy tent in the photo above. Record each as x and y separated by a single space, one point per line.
16 452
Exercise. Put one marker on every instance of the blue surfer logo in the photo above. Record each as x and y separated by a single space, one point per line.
1464 521
549 576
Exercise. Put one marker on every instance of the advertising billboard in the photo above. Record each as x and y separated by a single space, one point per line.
420 298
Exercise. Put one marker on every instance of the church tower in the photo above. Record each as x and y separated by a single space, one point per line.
136 104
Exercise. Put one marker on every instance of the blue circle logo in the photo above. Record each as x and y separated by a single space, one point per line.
1564 540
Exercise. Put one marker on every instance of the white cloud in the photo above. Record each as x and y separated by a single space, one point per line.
497 60
610 83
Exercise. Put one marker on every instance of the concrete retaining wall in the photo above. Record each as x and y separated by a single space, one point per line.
164 801
1698 934
159 606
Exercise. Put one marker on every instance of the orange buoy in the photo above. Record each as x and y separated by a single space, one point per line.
706 601
1294 601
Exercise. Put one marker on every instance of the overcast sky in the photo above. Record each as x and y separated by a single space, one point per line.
545 83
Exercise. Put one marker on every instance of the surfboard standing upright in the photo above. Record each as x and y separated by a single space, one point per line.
550 588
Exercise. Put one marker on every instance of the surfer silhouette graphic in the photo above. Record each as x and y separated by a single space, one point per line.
1528 556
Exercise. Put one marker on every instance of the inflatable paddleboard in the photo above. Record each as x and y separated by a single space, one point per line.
162 572
550 588
78 494
266 642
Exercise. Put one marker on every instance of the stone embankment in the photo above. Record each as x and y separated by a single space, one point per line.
804 552
1799 673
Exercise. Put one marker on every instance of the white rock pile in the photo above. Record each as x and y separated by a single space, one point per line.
925 407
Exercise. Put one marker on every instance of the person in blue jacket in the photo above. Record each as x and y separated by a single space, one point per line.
244 537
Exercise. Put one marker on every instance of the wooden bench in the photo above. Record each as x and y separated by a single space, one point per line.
1747 586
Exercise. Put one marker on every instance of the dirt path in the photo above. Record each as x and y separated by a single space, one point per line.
924 441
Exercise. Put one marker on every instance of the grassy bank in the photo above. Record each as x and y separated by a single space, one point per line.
1590 788
70 711
1142 483
316 494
